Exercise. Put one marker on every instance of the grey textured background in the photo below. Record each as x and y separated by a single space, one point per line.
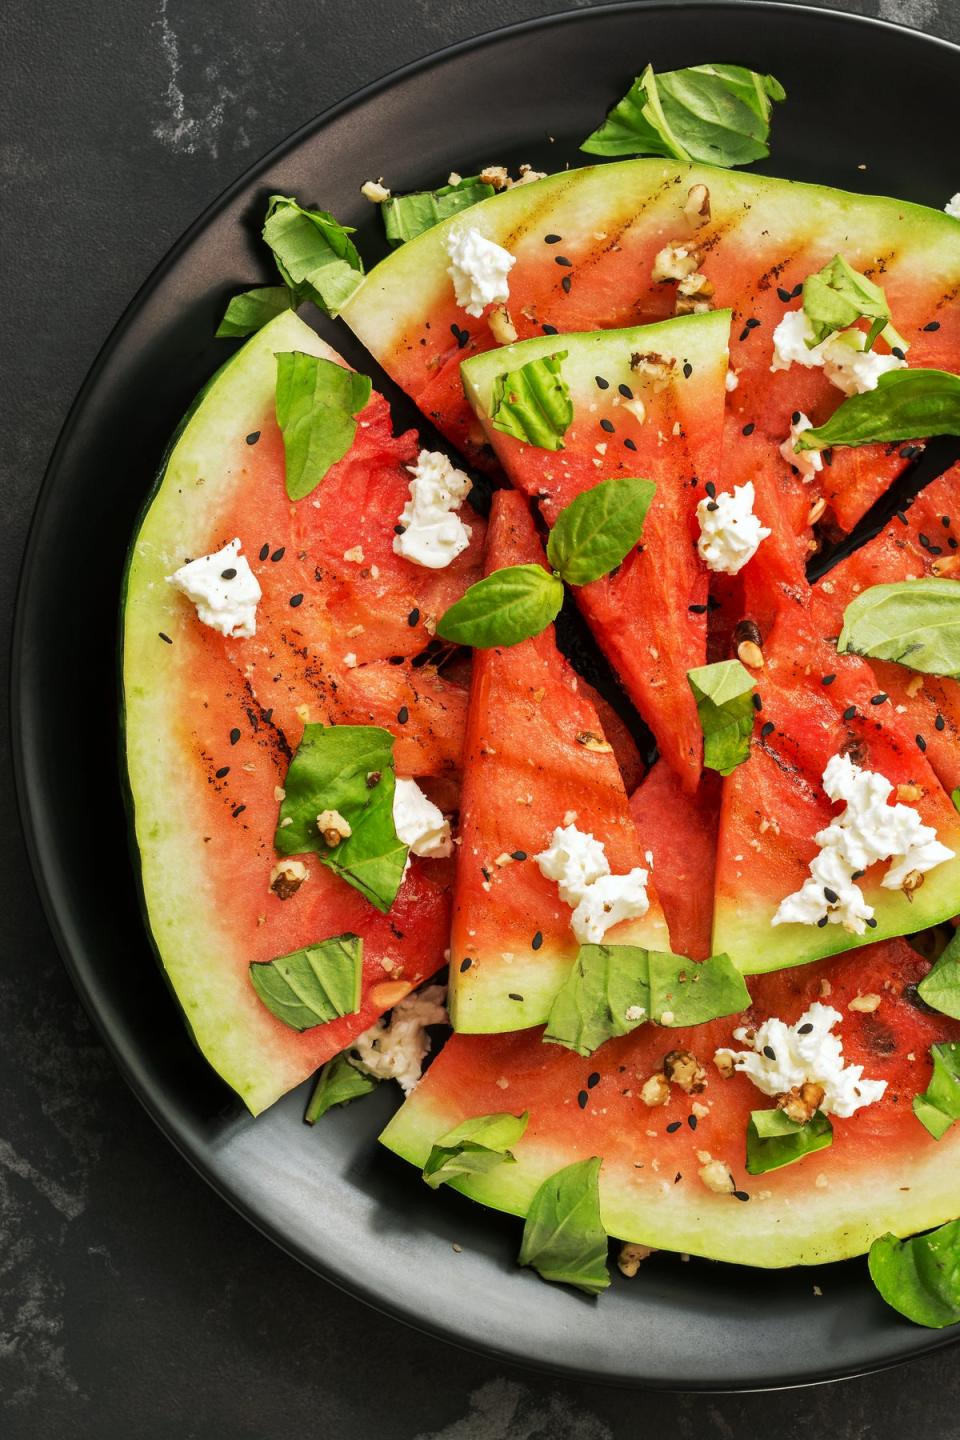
133 1302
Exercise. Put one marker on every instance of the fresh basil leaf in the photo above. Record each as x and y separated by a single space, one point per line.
939 1106
250 311
719 114
596 531
614 988
338 1083
407 216
955 797
906 405
837 296
920 1277
940 987
349 769
533 403
914 622
311 986
504 608
774 1140
475 1147
724 696
563 1235
316 402
313 252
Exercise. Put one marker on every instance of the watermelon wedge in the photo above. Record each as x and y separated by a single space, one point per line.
648 402
680 831
211 722
535 759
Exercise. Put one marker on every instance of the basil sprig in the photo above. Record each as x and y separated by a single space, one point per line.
940 987
311 986
316 402
474 1147
939 1106
598 529
250 311
719 114
563 1235
614 988
724 696
504 608
774 1140
407 216
920 1277
349 769
338 1083
313 252
837 296
532 403
955 797
914 622
906 405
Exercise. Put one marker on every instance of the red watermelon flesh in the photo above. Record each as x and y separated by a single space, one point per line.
535 758
680 830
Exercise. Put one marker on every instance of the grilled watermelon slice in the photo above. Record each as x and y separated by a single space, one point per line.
535 758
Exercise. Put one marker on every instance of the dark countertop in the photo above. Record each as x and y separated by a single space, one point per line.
133 1302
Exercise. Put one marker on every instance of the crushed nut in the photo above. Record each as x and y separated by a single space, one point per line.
911 882
286 877
528 175
333 827
502 327
675 262
909 793
375 190
389 993
724 1064
653 367
637 409
946 565
682 1068
716 1177
700 1110
631 1257
354 555
816 510
495 175
915 685
655 1090
697 207
591 741
865 1004
802 1102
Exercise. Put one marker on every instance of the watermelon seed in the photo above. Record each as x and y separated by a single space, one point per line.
223 772
901 517
921 743
831 895
878 699
828 457
395 660
770 1053
512 996
566 282
631 445
828 679
871 922
552 239
896 350
784 295
253 437
165 638
945 521
228 574
601 383
909 451
805 1029
766 729
264 551
687 369
933 325
625 391
403 715
757 702
562 260
607 425
234 736
797 290
414 617
549 329
278 554
537 940
296 600
593 1079
678 1177
582 1099
740 1195
399 529
939 723
850 712
697 609
821 922
748 429
673 1127
238 810
518 854
692 1121
465 964
711 489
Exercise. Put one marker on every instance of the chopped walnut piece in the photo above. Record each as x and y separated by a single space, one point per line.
653 367
655 1090
802 1102
593 742
333 827
865 1004
528 174
682 1068
375 191
675 261
697 208
716 1176
915 685
502 327
724 1064
286 877
911 882
495 175
825 987
631 1257
354 554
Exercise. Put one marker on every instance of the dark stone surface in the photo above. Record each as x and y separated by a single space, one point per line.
133 1302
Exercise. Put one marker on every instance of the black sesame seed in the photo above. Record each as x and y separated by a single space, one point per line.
797 290
607 425
552 239
631 445
461 336
414 617
396 660
566 282
403 715
279 553
871 922
238 810
223 772
831 896
896 350
692 1121
687 369
562 260
827 679
744 334
399 529
921 743
953 543
850 712
674 1126
549 329
234 736
582 1099
795 418
908 451
165 638
784 295
264 551
757 702
751 324
821 922
297 599
748 429
537 940
901 517
878 699
805 1029
228 574
766 729
513 996
740 1195
518 854
828 457
945 521
932 325
465 964
593 1079
710 488
253 437
939 723
697 609
625 391
924 540
601 383
770 1053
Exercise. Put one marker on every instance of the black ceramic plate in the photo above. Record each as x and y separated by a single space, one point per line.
329 1196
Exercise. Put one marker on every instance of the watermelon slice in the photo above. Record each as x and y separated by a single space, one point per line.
648 402
211 723
680 831
535 758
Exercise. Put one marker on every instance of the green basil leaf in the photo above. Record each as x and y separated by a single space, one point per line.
533 403
906 405
563 1235
837 296
955 797
614 988
407 216
914 622
504 608
596 531
774 1140
920 1277
311 986
347 768
724 696
316 402
313 252
719 114
940 987
474 1147
338 1083
248 312
939 1106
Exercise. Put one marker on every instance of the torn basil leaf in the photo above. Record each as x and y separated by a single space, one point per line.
407 216
347 769
316 404
533 403
939 1106
563 1235
719 114
504 608
249 312
614 988
906 405
474 1147
311 986
914 622
955 797
338 1083
313 252
724 696
940 987
837 296
920 1277
596 531
774 1140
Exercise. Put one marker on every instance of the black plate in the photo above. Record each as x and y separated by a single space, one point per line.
329 1196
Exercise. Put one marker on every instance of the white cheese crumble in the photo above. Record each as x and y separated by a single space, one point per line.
224 589
731 380
579 865
804 1052
479 269
396 1050
841 356
952 206
730 533
867 831
433 534
419 823
807 462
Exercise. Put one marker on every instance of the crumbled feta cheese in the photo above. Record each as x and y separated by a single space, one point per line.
433 534
841 356
479 269
375 191
579 865
804 1052
418 822
952 206
574 860
730 533
807 462
731 380
224 589
350 660
396 1051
